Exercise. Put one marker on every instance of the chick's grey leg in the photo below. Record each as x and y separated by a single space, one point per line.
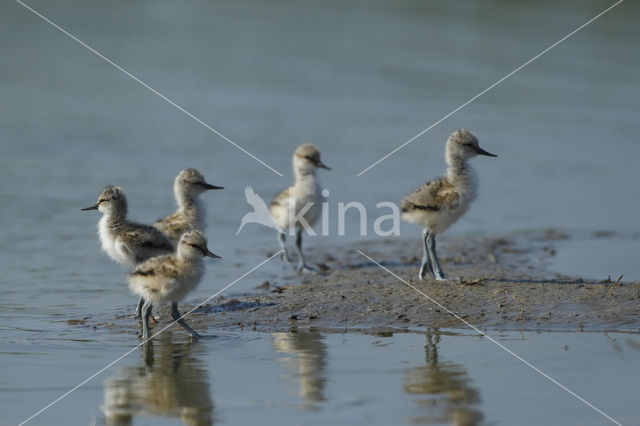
281 240
176 316
431 246
138 313
426 265
302 265
146 313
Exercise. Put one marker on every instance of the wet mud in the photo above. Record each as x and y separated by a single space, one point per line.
504 283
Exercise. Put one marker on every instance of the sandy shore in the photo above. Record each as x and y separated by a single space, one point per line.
503 285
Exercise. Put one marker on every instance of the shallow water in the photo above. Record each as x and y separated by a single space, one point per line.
357 78
438 377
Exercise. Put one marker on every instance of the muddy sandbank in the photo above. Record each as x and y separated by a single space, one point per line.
504 284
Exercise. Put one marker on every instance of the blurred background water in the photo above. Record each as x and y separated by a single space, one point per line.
357 78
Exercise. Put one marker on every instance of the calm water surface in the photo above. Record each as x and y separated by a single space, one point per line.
358 79
438 377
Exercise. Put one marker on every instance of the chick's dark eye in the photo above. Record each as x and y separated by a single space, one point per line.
200 249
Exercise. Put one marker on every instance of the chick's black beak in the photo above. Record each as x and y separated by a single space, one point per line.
322 165
94 207
209 186
481 151
212 255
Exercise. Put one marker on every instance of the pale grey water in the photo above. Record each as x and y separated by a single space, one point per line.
356 78
314 379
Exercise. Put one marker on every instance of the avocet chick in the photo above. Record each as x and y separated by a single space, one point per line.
188 185
438 204
300 201
170 277
126 242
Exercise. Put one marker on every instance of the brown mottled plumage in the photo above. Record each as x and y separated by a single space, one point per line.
126 242
438 204
280 200
169 278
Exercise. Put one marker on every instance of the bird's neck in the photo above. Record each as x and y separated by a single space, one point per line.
306 184
460 172
190 206
305 173
115 219
192 261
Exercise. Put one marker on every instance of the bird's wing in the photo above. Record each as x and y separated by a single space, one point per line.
158 274
173 229
283 197
435 195
145 240
423 198
161 266
148 268
451 199
168 220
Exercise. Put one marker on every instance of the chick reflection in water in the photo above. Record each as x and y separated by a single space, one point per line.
309 361
451 399
170 382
